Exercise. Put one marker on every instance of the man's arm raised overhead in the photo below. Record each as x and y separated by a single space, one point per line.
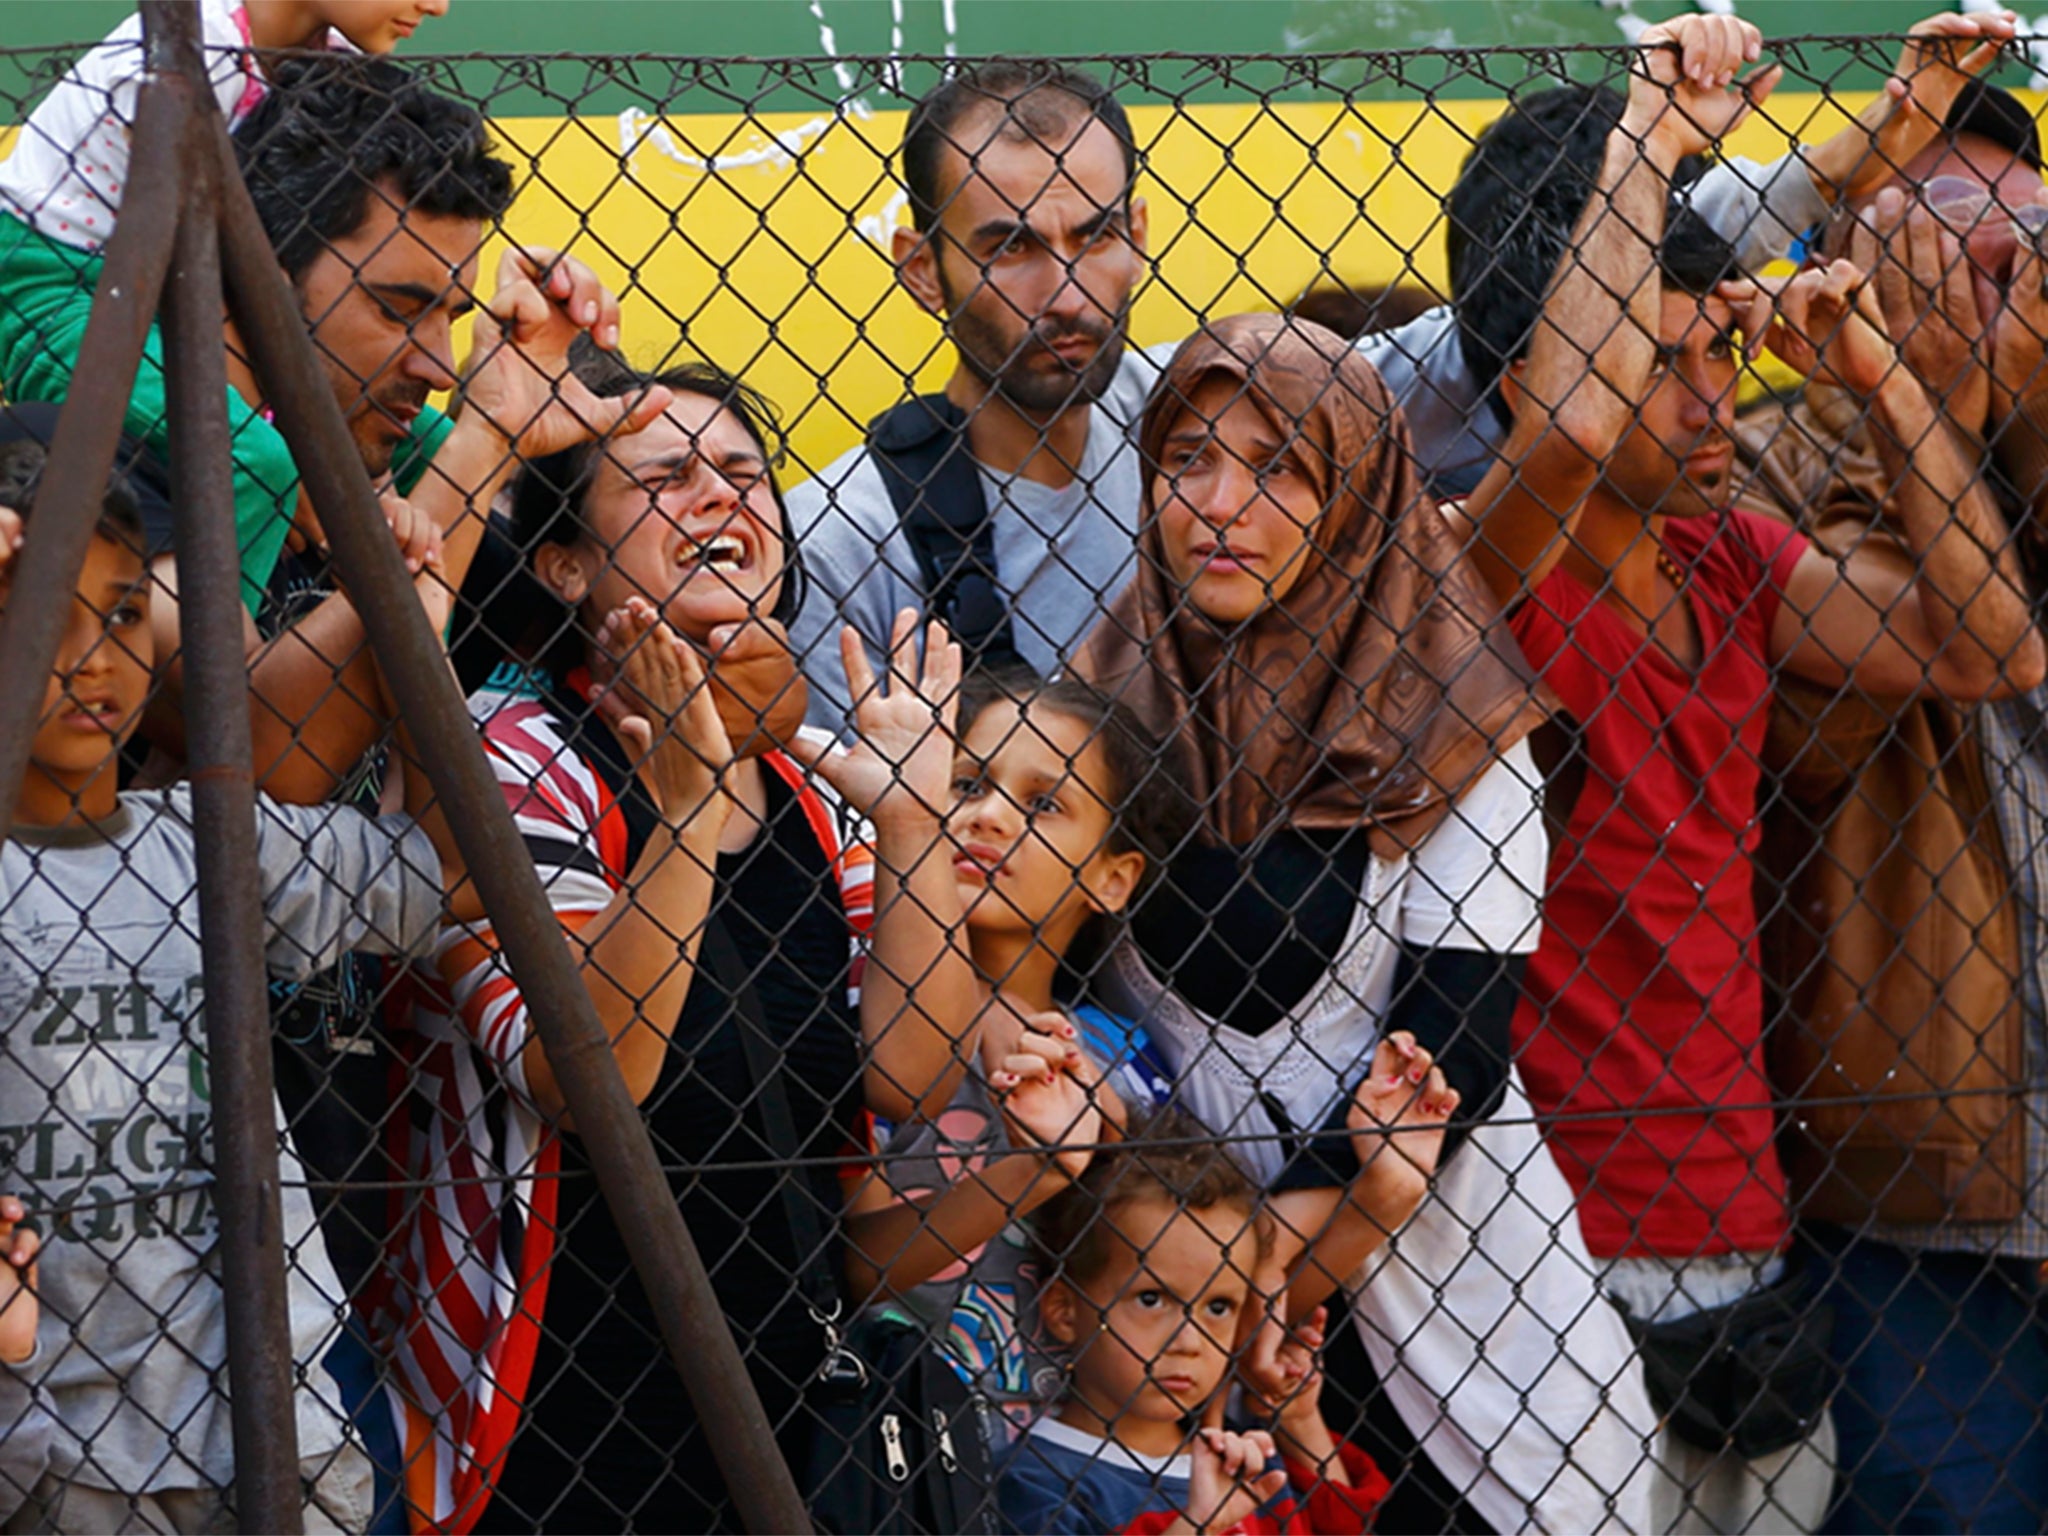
1589 358
1956 622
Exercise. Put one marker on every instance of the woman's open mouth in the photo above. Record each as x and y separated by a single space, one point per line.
723 554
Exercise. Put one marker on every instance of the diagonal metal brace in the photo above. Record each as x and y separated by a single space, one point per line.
416 668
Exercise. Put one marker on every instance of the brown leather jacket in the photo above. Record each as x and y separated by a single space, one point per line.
1890 941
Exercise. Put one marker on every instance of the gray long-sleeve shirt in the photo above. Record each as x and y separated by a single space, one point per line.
105 1114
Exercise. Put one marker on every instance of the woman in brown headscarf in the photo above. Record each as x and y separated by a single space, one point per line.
1302 609
1355 716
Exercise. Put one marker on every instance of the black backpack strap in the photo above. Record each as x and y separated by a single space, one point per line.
720 964
921 449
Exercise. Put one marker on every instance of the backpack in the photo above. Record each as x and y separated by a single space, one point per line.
921 449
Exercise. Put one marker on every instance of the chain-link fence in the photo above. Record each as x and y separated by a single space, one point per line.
1443 934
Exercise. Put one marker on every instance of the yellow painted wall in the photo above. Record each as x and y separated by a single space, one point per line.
766 266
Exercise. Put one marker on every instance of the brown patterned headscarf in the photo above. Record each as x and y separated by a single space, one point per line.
1384 682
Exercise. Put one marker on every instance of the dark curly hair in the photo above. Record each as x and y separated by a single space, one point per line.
339 129
1165 1155
1510 217
22 462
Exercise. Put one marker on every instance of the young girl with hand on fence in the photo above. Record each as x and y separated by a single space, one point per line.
1057 817
1154 1248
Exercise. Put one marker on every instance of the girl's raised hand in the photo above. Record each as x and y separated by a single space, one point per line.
1047 1090
19 1312
1290 1392
1398 1113
658 705
1229 1480
901 764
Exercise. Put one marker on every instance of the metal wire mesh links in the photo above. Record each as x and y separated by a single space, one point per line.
1130 793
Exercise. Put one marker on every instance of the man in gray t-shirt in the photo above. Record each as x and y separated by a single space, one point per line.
1061 549
1028 242
105 1121
1031 259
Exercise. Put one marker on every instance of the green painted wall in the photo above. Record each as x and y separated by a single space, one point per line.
790 27
793 28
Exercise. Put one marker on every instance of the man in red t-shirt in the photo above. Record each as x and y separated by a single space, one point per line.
1659 619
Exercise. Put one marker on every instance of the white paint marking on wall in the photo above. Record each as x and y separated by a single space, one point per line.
638 130
828 44
879 228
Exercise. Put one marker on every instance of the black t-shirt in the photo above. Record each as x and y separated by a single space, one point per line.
609 1439
1245 935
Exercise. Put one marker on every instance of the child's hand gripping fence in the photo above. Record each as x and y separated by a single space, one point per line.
1512 935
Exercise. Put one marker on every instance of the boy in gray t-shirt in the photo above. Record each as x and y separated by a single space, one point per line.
105 1125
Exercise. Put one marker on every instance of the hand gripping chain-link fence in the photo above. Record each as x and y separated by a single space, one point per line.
1444 933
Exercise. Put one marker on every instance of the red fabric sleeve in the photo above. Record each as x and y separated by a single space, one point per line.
1154 1521
1328 1509
1778 548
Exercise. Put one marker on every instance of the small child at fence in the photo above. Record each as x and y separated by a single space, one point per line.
105 1122
1152 1250
1065 805
1061 810
62 185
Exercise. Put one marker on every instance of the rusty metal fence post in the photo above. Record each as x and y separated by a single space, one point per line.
267 1494
415 665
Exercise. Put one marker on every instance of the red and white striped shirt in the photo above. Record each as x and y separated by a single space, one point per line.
462 1303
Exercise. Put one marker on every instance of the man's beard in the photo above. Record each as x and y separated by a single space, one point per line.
1666 488
373 429
1005 365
